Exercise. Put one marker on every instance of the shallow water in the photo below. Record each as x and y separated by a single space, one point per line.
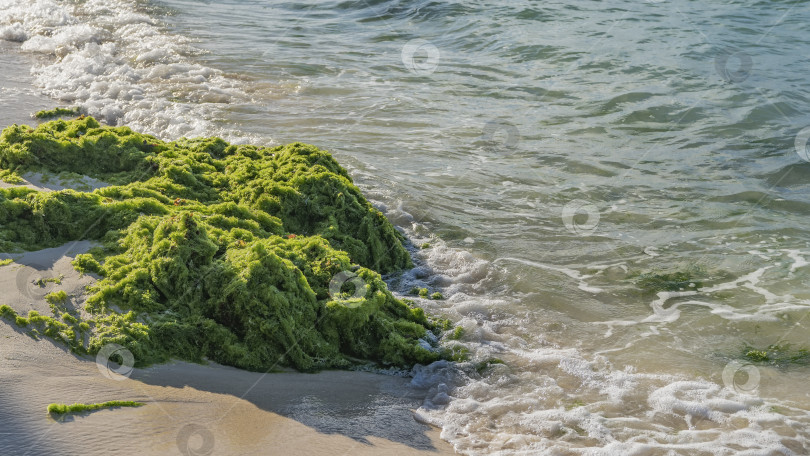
550 153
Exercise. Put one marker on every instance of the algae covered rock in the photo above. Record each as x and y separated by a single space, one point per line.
216 251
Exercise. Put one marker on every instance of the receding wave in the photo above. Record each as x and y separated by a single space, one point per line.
121 65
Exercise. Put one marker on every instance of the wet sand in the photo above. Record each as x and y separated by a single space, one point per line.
18 97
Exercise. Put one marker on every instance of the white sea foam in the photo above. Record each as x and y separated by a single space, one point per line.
556 401
559 400
122 66
13 32
798 260
572 273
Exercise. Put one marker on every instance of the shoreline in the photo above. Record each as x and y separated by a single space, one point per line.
20 98
241 412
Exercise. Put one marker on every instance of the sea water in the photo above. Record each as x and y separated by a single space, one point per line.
553 155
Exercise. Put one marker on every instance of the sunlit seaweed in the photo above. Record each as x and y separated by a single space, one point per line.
63 409
777 355
56 112
212 251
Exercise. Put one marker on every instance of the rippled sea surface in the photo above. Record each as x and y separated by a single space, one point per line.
615 193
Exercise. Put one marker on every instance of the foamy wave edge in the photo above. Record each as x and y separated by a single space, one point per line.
120 65
549 399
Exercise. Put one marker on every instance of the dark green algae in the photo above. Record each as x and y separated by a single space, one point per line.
213 251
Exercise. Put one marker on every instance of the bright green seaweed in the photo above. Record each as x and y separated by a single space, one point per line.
213 251
778 355
57 112
63 409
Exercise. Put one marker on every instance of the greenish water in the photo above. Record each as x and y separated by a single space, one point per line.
612 191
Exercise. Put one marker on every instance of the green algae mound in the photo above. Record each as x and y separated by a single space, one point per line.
214 251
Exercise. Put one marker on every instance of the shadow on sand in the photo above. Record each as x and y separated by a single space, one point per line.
357 405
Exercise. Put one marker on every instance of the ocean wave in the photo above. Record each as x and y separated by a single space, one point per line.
539 397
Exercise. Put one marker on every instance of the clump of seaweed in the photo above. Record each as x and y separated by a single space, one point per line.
57 112
777 355
70 332
63 409
458 333
56 297
688 279
425 293
214 251
10 177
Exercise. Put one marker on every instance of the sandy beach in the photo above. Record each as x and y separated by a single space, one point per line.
200 409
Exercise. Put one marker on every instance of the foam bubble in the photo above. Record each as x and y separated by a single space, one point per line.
13 32
558 401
